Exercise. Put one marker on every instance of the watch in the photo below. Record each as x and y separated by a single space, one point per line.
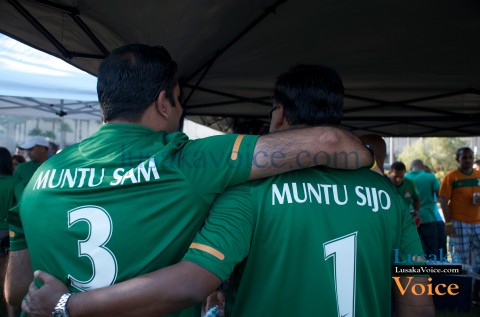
61 310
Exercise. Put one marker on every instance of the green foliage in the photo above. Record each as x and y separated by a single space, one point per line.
437 153
35 131
48 134
65 127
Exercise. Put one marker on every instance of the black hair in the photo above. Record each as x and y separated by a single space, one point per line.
417 164
310 95
6 166
19 158
398 166
131 78
461 150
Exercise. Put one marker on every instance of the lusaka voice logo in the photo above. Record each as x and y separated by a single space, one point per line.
426 266
412 258
418 288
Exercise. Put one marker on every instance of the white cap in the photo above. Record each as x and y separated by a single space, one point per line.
32 141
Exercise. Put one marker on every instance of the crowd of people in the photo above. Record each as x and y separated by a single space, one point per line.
138 220
458 195
15 173
459 214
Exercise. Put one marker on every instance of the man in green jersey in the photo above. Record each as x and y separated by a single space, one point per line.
37 149
320 242
431 229
129 199
7 201
406 188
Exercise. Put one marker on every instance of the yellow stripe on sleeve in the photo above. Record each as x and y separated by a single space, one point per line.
236 147
219 255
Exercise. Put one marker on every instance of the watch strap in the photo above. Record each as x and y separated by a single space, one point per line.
62 305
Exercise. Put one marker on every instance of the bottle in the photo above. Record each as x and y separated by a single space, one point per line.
215 311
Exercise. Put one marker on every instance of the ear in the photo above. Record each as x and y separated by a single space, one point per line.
279 121
162 104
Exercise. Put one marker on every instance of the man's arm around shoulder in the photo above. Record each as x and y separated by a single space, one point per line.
295 149
154 294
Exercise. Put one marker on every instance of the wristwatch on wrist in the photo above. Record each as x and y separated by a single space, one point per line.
61 309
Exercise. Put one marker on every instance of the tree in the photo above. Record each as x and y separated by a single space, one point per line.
50 135
437 153
35 131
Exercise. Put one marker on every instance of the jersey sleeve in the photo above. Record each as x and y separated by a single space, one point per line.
17 236
212 164
224 241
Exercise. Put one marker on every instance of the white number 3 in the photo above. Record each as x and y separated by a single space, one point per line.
104 263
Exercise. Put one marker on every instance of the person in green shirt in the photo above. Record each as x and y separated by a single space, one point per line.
17 159
7 182
7 201
406 189
37 149
315 242
129 199
431 228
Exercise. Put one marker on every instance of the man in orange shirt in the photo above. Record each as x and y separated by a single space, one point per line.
460 200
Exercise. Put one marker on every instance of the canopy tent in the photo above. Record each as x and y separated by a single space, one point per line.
50 108
52 97
410 68
37 85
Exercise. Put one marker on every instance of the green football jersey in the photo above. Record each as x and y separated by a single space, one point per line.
320 242
427 184
125 202
23 173
7 200
408 191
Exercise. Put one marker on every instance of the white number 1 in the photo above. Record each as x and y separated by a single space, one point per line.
104 263
343 250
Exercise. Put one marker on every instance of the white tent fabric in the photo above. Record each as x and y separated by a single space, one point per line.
410 68
34 83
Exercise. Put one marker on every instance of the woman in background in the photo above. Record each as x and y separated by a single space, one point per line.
17 159
6 202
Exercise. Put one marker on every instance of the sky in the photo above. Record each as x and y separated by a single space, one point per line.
27 72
